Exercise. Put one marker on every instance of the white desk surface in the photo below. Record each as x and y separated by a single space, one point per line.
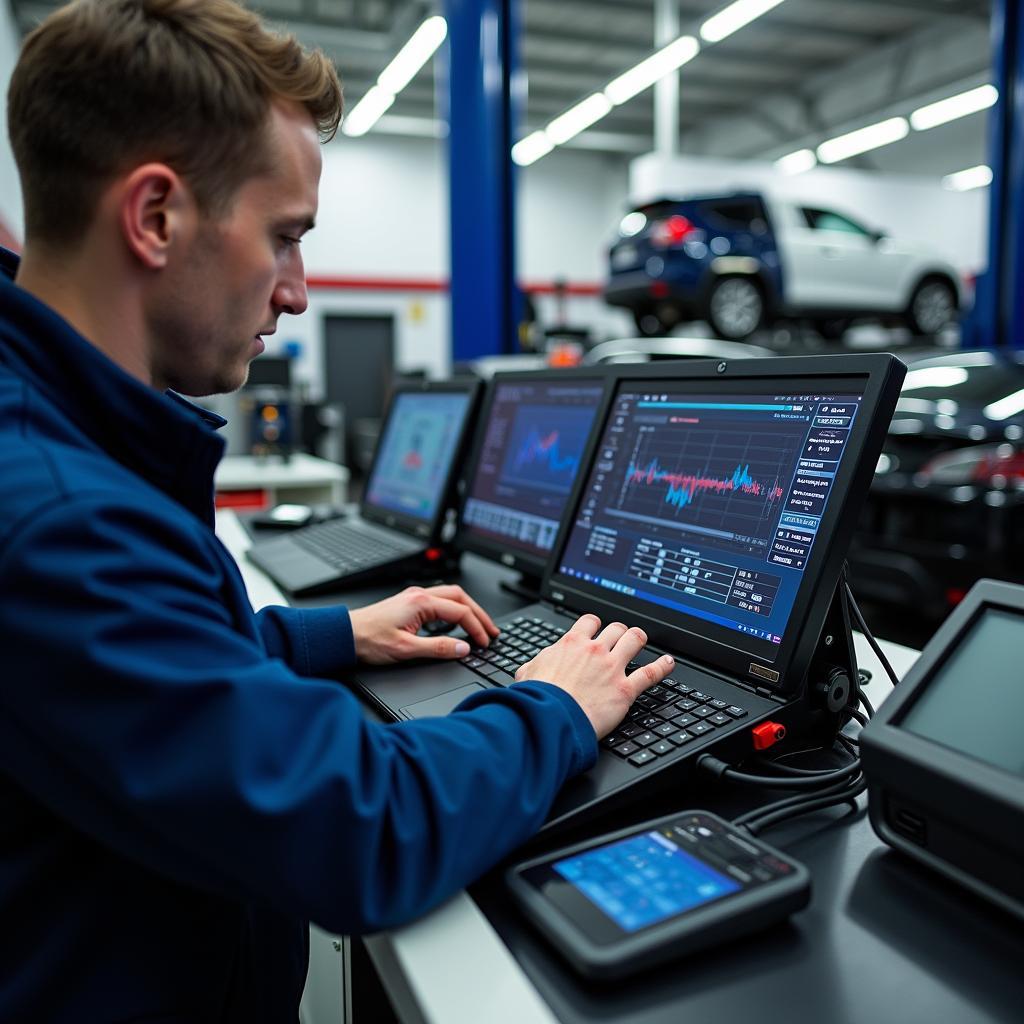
451 966
239 471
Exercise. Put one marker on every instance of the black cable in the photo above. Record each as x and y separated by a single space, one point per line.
867 705
805 806
863 626
722 770
836 791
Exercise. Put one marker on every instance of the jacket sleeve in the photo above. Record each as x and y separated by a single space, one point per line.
134 708
311 641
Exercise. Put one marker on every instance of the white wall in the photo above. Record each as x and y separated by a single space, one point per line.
10 189
384 214
954 224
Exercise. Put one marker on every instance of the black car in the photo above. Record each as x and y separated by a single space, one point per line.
947 503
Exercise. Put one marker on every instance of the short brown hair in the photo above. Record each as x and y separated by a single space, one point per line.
101 84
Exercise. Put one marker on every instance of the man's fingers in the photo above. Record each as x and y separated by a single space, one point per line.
453 611
453 592
446 647
631 643
611 634
648 675
587 625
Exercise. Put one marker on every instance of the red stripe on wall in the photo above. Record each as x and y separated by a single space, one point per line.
415 284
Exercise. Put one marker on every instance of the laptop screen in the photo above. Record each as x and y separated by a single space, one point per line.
415 452
533 439
707 503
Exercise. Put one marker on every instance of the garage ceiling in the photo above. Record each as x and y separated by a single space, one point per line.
788 58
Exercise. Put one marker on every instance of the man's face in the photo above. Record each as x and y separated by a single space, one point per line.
235 275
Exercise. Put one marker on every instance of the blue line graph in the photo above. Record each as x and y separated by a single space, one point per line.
544 446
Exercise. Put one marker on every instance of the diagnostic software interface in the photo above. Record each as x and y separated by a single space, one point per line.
416 452
711 505
533 440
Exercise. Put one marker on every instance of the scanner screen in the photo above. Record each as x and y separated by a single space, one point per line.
975 702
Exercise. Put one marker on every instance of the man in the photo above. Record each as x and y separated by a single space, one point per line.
183 783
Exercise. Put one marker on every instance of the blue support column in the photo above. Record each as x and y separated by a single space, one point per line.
481 49
998 317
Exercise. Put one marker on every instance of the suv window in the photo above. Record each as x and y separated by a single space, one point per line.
736 213
826 220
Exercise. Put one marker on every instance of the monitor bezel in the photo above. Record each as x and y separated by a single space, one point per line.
878 378
431 529
525 562
980 797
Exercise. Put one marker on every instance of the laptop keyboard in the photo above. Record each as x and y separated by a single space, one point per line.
663 718
346 547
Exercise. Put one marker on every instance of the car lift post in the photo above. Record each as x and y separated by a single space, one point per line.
480 97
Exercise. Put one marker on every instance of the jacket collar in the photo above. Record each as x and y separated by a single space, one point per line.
163 438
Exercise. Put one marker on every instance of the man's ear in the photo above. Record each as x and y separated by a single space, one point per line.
156 207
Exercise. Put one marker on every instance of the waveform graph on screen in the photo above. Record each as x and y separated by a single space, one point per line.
544 447
729 481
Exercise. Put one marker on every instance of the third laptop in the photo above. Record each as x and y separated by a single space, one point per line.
408 493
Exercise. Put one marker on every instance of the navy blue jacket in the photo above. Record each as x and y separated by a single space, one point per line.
183 783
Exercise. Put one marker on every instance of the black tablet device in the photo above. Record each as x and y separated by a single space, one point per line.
944 758
633 899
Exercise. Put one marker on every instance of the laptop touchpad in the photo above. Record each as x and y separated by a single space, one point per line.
441 704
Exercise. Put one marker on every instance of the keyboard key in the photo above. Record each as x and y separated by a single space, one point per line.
703 711
643 757
684 721
680 738
701 729
625 749
661 747
719 718
667 728
645 739
697 695
613 740
735 712
629 731
650 721
686 704
721 705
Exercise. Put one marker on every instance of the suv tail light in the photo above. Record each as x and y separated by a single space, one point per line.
672 231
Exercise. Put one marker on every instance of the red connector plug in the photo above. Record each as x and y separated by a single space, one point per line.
767 734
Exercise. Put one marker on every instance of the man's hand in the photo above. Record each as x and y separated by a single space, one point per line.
385 632
592 669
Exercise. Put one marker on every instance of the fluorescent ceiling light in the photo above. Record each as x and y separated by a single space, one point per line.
574 120
532 148
396 76
1005 407
647 72
796 163
734 17
410 58
964 181
961 105
363 116
934 377
872 137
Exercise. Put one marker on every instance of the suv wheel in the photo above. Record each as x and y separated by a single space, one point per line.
932 306
735 307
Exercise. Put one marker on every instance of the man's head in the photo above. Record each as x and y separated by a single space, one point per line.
177 140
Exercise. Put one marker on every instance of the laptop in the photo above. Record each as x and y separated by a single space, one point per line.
405 503
535 429
715 512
